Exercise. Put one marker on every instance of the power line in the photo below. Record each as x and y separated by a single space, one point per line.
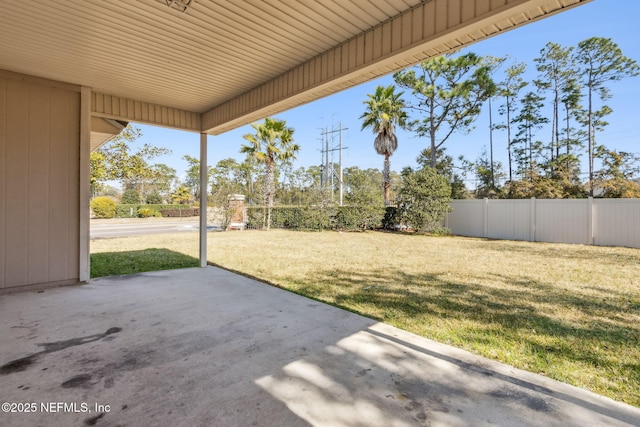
329 168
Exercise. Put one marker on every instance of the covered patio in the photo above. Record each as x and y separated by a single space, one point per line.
74 73
205 346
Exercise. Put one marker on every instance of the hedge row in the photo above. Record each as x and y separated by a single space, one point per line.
129 211
347 218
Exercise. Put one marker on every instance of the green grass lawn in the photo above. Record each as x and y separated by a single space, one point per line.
569 312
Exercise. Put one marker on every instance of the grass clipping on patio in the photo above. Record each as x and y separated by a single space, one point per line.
569 312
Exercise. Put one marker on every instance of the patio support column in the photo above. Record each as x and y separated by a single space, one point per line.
203 199
85 196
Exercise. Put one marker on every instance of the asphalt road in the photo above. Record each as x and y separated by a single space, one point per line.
104 230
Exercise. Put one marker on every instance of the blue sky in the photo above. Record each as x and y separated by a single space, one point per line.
615 19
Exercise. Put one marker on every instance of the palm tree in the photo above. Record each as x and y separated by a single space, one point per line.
385 110
271 143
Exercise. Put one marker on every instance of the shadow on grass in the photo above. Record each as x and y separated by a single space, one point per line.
130 262
571 252
551 330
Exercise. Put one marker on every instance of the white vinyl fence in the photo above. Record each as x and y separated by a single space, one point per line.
602 222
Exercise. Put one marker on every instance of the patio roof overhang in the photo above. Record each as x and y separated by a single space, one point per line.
221 64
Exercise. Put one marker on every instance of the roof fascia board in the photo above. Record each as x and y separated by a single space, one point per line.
130 110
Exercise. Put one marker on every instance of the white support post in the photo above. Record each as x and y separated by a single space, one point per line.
85 196
532 233
590 221
485 218
204 183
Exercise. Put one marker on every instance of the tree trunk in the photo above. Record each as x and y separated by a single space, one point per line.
386 178
270 184
590 136
509 139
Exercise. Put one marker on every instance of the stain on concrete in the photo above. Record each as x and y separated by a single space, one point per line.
77 381
535 403
19 365
91 421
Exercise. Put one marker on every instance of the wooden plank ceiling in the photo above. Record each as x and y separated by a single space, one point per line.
228 62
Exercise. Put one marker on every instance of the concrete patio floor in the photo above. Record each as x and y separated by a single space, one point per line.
206 347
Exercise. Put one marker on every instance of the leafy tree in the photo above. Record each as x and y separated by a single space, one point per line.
362 197
487 177
271 144
449 93
601 61
182 195
509 89
362 186
192 180
98 174
543 187
494 63
424 199
130 197
615 179
557 72
529 121
571 102
111 191
301 186
153 198
446 167
133 170
385 110
163 179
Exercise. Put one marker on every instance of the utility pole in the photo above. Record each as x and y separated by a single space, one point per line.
326 151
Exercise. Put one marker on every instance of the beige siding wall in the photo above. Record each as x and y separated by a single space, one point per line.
39 182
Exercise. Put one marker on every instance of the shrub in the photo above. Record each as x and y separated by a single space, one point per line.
359 217
424 199
103 207
180 212
321 217
391 218
130 197
131 211
146 213
154 198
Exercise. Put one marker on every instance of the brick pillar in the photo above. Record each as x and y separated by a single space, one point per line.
238 215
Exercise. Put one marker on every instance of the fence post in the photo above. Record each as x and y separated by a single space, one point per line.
532 233
485 218
590 221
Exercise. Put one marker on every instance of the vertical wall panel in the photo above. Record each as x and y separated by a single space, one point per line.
39 177
3 180
441 15
430 18
453 14
38 118
468 9
15 224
